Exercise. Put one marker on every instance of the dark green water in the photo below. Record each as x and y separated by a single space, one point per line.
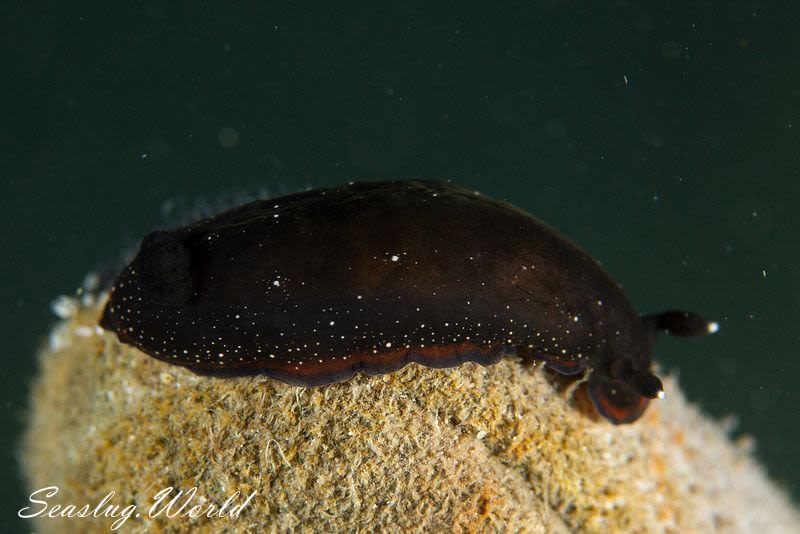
663 138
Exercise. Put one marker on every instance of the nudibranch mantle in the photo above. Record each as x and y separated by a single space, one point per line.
316 286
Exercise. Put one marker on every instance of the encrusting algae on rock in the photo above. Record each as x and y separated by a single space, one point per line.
471 448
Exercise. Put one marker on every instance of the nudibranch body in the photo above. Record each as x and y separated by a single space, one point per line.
316 286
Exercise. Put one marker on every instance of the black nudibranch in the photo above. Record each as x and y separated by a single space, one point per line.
316 286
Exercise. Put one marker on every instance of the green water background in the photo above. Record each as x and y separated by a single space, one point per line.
660 136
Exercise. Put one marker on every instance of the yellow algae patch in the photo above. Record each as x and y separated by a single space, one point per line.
466 449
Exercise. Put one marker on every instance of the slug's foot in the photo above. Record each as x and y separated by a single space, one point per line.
617 400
